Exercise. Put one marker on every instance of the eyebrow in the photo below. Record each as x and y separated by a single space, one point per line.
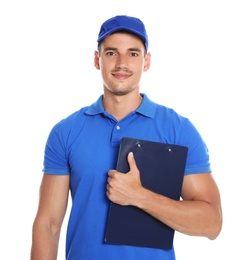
115 49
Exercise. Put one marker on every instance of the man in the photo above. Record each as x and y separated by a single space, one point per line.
81 154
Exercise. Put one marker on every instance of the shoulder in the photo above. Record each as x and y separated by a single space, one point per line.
74 118
68 128
157 111
169 117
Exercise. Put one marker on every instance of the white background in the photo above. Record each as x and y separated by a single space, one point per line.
47 72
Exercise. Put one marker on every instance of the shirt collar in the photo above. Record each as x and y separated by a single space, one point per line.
147 107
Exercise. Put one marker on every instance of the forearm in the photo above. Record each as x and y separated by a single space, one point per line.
197 218
198 214
44 243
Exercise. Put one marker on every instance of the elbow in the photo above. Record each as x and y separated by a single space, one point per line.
48 227
55 229
216 228
216 232
214 235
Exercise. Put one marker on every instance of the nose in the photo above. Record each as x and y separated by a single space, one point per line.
121 61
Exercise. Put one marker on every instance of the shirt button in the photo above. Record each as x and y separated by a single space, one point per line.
118 127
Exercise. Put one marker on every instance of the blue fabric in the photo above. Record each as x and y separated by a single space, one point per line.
126 23
85 145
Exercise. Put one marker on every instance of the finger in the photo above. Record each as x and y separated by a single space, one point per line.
111 173
131 161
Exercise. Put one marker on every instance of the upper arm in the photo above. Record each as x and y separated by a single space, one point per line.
53 200
201 187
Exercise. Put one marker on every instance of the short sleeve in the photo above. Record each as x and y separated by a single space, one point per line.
55 157
198 160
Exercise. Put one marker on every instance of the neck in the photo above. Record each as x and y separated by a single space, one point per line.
121 106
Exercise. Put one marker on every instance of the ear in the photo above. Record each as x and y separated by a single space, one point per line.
96 60
147 61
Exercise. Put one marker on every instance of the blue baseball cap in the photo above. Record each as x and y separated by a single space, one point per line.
126 23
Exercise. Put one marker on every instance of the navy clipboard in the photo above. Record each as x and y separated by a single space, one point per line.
161 168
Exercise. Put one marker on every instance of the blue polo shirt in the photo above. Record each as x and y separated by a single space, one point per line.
85 145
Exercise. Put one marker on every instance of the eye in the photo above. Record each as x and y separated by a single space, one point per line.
110 53
133 54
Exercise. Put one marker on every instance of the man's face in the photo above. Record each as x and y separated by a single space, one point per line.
121 59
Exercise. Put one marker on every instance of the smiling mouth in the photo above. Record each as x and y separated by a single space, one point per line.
121 76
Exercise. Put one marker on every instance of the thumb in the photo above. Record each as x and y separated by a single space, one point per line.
132 162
